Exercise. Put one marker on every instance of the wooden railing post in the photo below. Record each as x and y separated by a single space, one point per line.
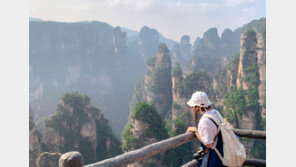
71 159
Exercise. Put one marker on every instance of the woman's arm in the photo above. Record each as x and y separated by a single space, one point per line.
194 129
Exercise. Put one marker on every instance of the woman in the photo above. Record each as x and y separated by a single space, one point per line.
207 129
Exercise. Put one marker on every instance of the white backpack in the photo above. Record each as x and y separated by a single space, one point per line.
234 153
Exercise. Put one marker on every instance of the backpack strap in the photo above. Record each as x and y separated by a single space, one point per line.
218 130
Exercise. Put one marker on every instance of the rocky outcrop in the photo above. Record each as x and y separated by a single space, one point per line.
156 85
145 127
79 126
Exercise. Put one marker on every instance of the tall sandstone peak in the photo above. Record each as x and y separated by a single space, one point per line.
156 84
209 44
148 40
182 52
248 56
230 41
119 42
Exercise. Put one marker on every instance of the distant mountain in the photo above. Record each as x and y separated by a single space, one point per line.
132 35
35 19
87 57
91 57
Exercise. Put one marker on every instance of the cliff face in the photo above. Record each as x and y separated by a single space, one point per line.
145 127
90 57
240 83
261 56
156 85
248 57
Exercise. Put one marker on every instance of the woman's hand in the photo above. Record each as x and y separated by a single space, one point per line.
191 129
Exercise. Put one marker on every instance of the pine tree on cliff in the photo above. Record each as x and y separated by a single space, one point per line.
145 127
79 126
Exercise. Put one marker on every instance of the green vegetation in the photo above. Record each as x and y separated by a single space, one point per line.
128 138
73 111
151 61
235 103
181 154
105 135
238 101
176 71
250 33
147 114
193 82
160 80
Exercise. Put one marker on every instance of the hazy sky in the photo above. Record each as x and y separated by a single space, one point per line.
172 18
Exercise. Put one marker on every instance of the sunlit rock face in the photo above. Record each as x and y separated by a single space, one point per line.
261 56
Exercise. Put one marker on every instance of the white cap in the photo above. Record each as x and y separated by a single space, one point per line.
199 99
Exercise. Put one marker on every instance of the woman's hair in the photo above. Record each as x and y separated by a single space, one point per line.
204 109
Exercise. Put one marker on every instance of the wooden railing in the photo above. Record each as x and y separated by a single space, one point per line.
158 147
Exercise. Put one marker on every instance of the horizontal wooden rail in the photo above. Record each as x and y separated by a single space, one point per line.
255 134
161 146
145 152
248 162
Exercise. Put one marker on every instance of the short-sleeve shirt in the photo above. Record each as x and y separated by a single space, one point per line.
207 128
